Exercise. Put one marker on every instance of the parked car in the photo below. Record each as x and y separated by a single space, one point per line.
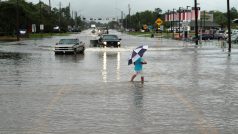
204 37
108 40
233 31
219 34
69 46
234 38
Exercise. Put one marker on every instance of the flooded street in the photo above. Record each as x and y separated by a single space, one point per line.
187 90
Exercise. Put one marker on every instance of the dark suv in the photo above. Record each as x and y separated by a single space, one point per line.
109 40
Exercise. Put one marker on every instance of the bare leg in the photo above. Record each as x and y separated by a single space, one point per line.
133 77
142 79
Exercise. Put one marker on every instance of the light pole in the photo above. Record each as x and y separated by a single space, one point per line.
204 20
229 25
179 19
173 23
18 38
129 21
121 20
196 21
169 20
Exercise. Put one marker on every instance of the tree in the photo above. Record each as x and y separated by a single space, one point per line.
30 13
141 18
234 13
158 11
220 18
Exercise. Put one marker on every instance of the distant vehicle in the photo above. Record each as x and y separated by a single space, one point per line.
233 31
23 31
235 21
76 30
108 40
203 37
93 26
56 29
69 46
234 38
219 34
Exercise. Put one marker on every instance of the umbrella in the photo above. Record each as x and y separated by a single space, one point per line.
137 53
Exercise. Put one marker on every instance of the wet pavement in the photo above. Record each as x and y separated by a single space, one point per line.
187 89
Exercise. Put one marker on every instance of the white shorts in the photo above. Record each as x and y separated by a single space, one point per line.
140 73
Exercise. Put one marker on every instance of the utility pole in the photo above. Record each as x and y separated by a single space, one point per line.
40 18
179 20
173 23
18 38
169 13
129 22
229 25
60 16
76 15
69 9
50 4
122 18
196 21
204 20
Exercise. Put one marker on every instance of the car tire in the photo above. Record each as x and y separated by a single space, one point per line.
82 50
75 51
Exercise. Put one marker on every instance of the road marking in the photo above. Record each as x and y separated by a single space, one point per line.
42 122
209 129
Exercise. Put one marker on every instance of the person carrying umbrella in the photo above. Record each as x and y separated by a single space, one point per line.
136 58
138 69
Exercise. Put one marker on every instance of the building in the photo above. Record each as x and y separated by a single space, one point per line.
185 19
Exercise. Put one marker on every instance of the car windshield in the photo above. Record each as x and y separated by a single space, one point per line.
110 37
68 41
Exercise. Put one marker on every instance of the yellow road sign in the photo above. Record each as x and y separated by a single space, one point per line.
159 21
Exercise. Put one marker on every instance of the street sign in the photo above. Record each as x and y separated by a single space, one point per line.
33 27
41 27
159 21
145 27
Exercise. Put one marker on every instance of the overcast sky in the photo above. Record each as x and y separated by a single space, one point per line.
112 8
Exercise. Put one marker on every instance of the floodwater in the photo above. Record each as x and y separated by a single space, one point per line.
187 89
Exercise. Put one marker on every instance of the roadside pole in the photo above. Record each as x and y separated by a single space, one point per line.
196 21
229 25
18 38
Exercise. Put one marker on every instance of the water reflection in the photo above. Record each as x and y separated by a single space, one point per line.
69 58
105 63
138 109
118 65
104 67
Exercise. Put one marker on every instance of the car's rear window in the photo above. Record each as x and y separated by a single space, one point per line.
68 41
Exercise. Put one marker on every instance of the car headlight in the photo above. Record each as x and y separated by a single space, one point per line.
105 43
118 43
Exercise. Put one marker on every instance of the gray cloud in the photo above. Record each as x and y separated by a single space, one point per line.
112 8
